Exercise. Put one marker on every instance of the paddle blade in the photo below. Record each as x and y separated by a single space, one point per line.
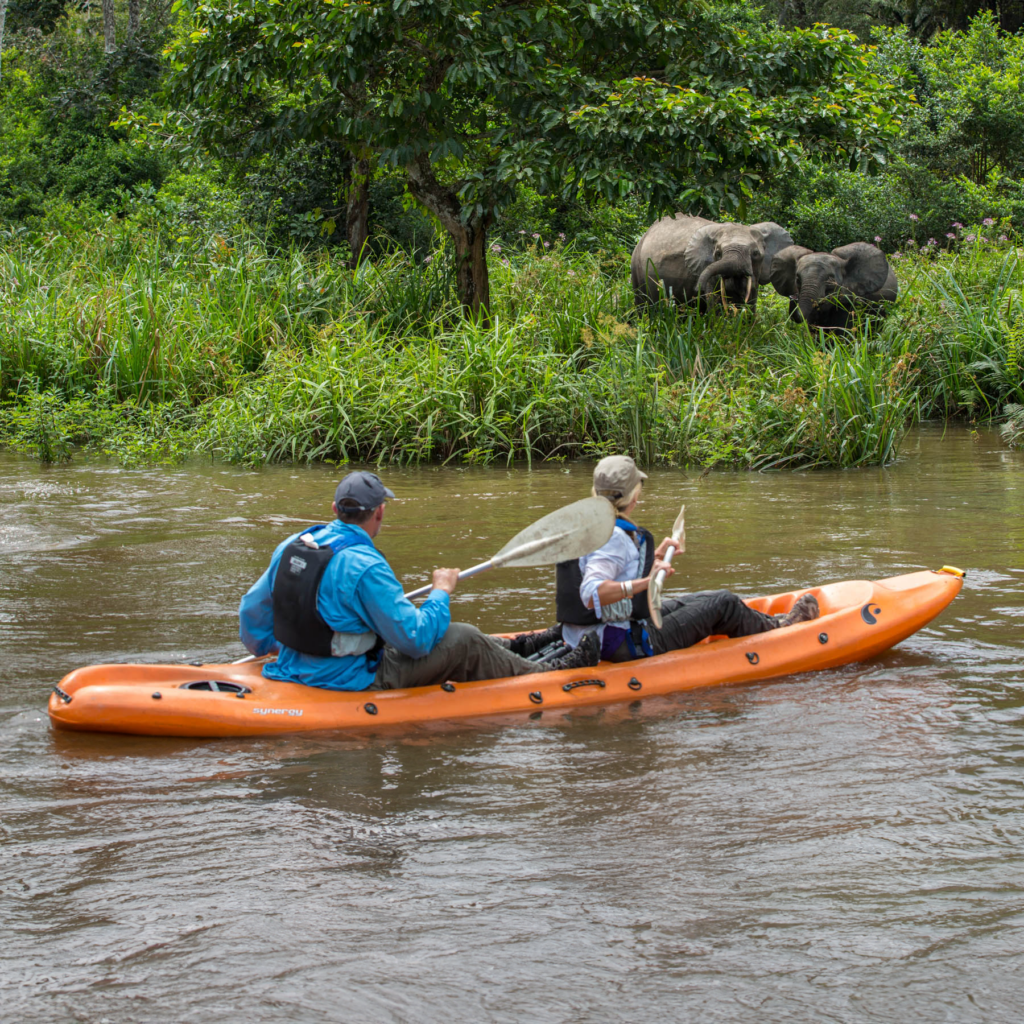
573 531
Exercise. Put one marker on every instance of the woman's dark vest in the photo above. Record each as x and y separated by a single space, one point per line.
570 608
297 623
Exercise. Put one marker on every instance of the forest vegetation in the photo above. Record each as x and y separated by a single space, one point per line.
341 231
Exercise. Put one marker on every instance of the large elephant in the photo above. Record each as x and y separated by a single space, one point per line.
828 289
689 258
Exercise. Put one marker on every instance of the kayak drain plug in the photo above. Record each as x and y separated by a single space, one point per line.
371 709
823 638
448 687
156 695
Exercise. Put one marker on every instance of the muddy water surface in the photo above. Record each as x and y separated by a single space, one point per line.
839 847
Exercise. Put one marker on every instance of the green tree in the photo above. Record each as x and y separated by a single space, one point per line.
654 98
970 85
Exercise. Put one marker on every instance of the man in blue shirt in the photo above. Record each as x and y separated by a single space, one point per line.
334 612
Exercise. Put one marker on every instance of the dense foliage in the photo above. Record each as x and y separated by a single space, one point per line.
147 350
473 100
221 233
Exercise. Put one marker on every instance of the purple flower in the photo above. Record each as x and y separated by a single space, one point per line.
913 216
958 225
988 222
536 234
547 245
984 239
878 238
521 231
427 259
572 273
495 247
561 236
931 241
1003 238
950 234
970 238
911 243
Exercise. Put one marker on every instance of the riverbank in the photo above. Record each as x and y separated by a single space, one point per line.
152 351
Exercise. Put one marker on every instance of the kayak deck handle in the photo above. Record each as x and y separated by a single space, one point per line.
66 697
634 683
216 685
583 682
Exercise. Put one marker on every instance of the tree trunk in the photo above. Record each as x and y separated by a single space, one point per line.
471 276
469 237
3 18
109 36
133 19
357 212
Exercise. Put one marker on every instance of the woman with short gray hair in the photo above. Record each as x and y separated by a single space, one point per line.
606 591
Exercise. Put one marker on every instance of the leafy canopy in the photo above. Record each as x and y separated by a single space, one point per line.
971 90
604 96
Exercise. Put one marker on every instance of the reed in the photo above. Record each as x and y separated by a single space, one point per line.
149 350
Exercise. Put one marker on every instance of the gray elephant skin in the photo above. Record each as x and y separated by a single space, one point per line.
828 290
693 259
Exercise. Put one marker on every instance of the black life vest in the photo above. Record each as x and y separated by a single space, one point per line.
297 622
569 607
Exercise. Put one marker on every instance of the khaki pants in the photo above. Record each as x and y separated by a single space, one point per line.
462 655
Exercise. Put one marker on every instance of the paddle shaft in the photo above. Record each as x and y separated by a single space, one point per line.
529 548
671 549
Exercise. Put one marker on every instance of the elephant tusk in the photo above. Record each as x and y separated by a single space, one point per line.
721 284
750 286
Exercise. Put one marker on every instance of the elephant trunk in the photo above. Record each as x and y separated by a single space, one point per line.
732 265
808 305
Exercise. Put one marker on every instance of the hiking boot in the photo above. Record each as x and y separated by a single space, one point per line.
586 655
525 644
805 609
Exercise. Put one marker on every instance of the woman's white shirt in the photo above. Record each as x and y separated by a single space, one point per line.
618 560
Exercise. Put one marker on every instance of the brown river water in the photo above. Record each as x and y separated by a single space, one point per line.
844 846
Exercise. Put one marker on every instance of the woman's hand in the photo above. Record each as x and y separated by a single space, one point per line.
662 548
658 565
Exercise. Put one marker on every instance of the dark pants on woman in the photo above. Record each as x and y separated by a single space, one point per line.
687 620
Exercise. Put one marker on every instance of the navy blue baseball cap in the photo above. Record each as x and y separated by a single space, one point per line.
365 490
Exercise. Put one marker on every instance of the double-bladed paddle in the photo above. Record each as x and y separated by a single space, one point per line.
654 591
569 532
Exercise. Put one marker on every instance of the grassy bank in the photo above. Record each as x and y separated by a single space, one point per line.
150 350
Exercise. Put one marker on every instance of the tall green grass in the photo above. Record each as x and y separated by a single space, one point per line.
149 350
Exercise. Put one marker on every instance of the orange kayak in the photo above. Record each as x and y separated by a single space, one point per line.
859 619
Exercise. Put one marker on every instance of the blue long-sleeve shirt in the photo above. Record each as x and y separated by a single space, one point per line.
358 592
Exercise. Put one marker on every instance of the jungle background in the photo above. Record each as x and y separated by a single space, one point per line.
208 244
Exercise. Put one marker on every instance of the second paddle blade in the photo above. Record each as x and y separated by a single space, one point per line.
581 527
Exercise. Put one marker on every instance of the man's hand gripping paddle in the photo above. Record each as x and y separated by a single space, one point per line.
570 532
654 591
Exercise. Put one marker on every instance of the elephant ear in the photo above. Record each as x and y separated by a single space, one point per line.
776 238
866 267
700 250
783 268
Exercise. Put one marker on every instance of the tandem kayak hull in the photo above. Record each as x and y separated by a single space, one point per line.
859 619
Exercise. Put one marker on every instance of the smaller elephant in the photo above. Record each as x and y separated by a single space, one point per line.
828 289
